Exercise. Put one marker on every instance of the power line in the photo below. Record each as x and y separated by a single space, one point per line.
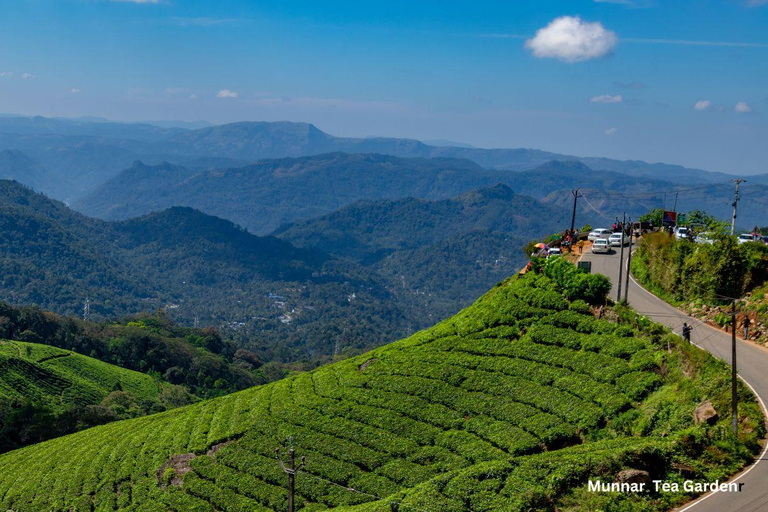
593 208
291 469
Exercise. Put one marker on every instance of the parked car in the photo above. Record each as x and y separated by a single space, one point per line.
554 251
601 245
682 233
749 237
617 240
599 233
704 238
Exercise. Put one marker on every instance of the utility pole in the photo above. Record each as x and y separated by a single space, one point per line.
734 397
735 203
291 471
629 261
573 217
674 208
621 257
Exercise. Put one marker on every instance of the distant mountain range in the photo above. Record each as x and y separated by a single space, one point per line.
78 155
271 193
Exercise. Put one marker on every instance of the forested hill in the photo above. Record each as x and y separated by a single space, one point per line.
440 255
369 230
521 398
287 302
270 193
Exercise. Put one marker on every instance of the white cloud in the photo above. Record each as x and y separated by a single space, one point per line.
607 98
611 131
75 90
226 93
27 76
755 3
702 105
193 96
742 108
570 39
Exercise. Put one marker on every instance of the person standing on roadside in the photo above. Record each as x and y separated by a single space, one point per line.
687 332
747 322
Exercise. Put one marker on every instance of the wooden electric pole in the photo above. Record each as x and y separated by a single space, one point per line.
291 469
573 216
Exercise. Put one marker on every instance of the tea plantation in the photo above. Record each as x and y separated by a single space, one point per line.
52 377
510 405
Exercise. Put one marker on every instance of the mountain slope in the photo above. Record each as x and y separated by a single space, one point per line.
438 255
56 378
15 165
520 372
270 193
608 194
367 231
197 267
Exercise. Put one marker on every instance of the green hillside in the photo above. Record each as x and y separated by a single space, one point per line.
509 405
438 256
54 377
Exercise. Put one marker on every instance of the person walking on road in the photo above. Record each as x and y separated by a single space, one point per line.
687 332
746 327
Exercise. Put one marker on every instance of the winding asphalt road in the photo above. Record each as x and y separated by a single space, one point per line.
752 365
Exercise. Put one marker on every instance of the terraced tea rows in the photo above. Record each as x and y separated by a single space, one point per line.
53 377
499 398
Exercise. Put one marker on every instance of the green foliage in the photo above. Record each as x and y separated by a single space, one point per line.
151 344
510 405
654 216
576 284
685 271
47 392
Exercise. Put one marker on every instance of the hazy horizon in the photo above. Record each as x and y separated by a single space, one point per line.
628 79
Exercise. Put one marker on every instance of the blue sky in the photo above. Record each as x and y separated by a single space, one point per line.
655 80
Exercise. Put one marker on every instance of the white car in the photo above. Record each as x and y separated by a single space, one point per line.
682 233
704 238
554 251
599 233
748 237
616 240
601 245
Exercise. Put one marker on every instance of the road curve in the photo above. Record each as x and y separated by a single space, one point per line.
752 365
